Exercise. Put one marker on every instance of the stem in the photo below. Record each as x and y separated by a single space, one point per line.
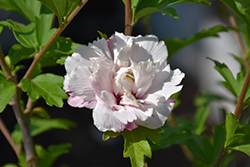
31 158
242 95
29 106
243 50
128 25
23 121
51 41
8 137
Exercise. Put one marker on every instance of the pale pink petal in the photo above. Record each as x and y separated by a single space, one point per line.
105 120
131 126
74 61
79 83
103 45
77 101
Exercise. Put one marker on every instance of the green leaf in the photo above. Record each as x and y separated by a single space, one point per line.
27 8
62 47
206 99
102 35
62 8
231 126
41 112
136 147
38 126
7 90
243 147
145 7
232 84
1 29
47 158
19 52
62 60
218 142
26 35
200 117
43 26
46 85
10 165
176 44
241 8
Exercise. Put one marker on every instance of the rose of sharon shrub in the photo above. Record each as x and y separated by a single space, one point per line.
125 80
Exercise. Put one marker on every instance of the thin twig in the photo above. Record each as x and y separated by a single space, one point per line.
242 95
243 50
51 41
128 25
29 106
8 137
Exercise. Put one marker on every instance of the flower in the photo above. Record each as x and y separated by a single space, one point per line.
125 80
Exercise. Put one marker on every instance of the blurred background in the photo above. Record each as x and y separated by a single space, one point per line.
88 149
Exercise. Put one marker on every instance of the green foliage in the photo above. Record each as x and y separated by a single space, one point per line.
142 8
241 8
232 84
62 47
102 35
27 8
176 44
19 52
231 126
242 147
62 8
47 158
38 126
7 90
25 35
46 85
136 145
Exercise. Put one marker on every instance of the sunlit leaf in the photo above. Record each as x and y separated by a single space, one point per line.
25 35
19 52
49 86
62 60
243 147
27 8
176 44
102 34
7 90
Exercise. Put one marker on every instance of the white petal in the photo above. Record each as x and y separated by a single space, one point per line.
105 120
74 61
103 45
77 101
79 83
161 112
158 50
143 76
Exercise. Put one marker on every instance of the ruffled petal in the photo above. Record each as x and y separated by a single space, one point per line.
77 101
105 120
161 112
79 83
74 61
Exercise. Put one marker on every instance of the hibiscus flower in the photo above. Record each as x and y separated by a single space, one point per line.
125 80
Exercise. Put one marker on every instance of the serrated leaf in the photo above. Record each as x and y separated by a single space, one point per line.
43 26
38 126
62 47
231 124
27 8
46 85
106 135
243 147
19 52
62 8
145 7
176 44
239 7
25 35
136 147
232 84
47 158
7 90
